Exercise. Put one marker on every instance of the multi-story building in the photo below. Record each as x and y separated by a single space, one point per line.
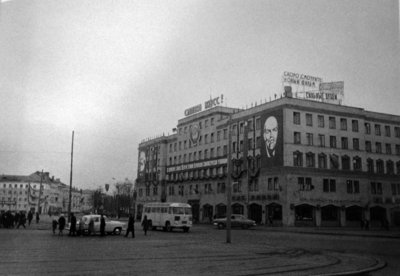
294 162
40 192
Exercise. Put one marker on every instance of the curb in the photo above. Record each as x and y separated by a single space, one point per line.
377 266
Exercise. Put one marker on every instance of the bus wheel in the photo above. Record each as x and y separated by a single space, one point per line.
168 227
185 229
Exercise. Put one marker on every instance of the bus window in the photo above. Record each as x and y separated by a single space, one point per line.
178 210
169 210
153 209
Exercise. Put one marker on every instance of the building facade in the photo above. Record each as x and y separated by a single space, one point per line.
41 193
294 162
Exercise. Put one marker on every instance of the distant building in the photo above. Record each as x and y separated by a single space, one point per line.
23 193
294 162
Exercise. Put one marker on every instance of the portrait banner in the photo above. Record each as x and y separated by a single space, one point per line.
272 139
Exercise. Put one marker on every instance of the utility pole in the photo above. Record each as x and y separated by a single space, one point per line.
40 192
70 178
229 191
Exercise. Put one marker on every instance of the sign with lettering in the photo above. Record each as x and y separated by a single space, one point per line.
301 79
197 165
207 104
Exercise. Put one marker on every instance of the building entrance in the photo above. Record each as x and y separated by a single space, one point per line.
255 212
195 210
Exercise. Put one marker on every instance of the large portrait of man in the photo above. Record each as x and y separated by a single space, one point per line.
142 161
271 129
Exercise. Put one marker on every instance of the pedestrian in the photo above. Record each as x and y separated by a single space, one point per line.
72 228
37 217
131 226
91 227
81 225
61 225
145 225
22 220
54 224
30 217
102 226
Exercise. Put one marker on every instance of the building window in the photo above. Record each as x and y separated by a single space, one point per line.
378 147
221 188
205 154
212 137
237 187
343 124
376 188
225 134
297 138
353 186
397 132
354 125
345 162
241 128
310 160
397 149
332 141
345 143
297 159
368 146
309 121
332 122
357 163
378 130
387 131
388 148
310 139
212 121
296 118
305 183
218 135
212 153
321 139
356 144
329 185
258 123
389 167
367 128
379 166
321 121
250 125
322 164
370 165
398 167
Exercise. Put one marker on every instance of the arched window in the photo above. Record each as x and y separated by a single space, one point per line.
380 166
297 159
322 161
345 162
310 159
370 165
389 167
357 163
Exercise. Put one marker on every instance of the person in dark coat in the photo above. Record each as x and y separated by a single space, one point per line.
30 217
91 227
37 217
61 225
145 225
22 220
131 226
72 228
102 226
54 224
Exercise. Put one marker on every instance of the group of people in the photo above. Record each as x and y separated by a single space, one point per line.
60 223
9 219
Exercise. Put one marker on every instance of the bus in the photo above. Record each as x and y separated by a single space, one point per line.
168 215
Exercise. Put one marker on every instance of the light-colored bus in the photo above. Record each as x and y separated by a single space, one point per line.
168 215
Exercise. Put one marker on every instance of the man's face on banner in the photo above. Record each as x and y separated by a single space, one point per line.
142 161
271 132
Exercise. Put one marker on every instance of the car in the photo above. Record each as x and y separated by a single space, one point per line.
112 226
237 220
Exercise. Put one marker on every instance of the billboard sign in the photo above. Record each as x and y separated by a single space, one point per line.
302 80
272 144
207 104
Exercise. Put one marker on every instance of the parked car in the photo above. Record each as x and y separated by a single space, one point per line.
112 226
237 220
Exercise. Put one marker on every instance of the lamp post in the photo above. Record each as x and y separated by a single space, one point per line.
229 180
40 191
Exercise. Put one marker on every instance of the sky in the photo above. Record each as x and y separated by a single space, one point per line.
116 72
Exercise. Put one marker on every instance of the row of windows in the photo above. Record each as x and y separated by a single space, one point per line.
208 138
346 162
200 173
344 124
21 186
14 199
344 143
199 155
207 123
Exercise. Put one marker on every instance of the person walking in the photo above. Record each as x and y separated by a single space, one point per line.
72 228
37 217
131 226
22 220
61 225
91 227
102 226
30 217
145 225
54 224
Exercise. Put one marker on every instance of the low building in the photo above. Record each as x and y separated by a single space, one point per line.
294 162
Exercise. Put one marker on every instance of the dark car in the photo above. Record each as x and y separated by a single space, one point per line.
237 220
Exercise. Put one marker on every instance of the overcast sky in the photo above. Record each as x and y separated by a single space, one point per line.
117 72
